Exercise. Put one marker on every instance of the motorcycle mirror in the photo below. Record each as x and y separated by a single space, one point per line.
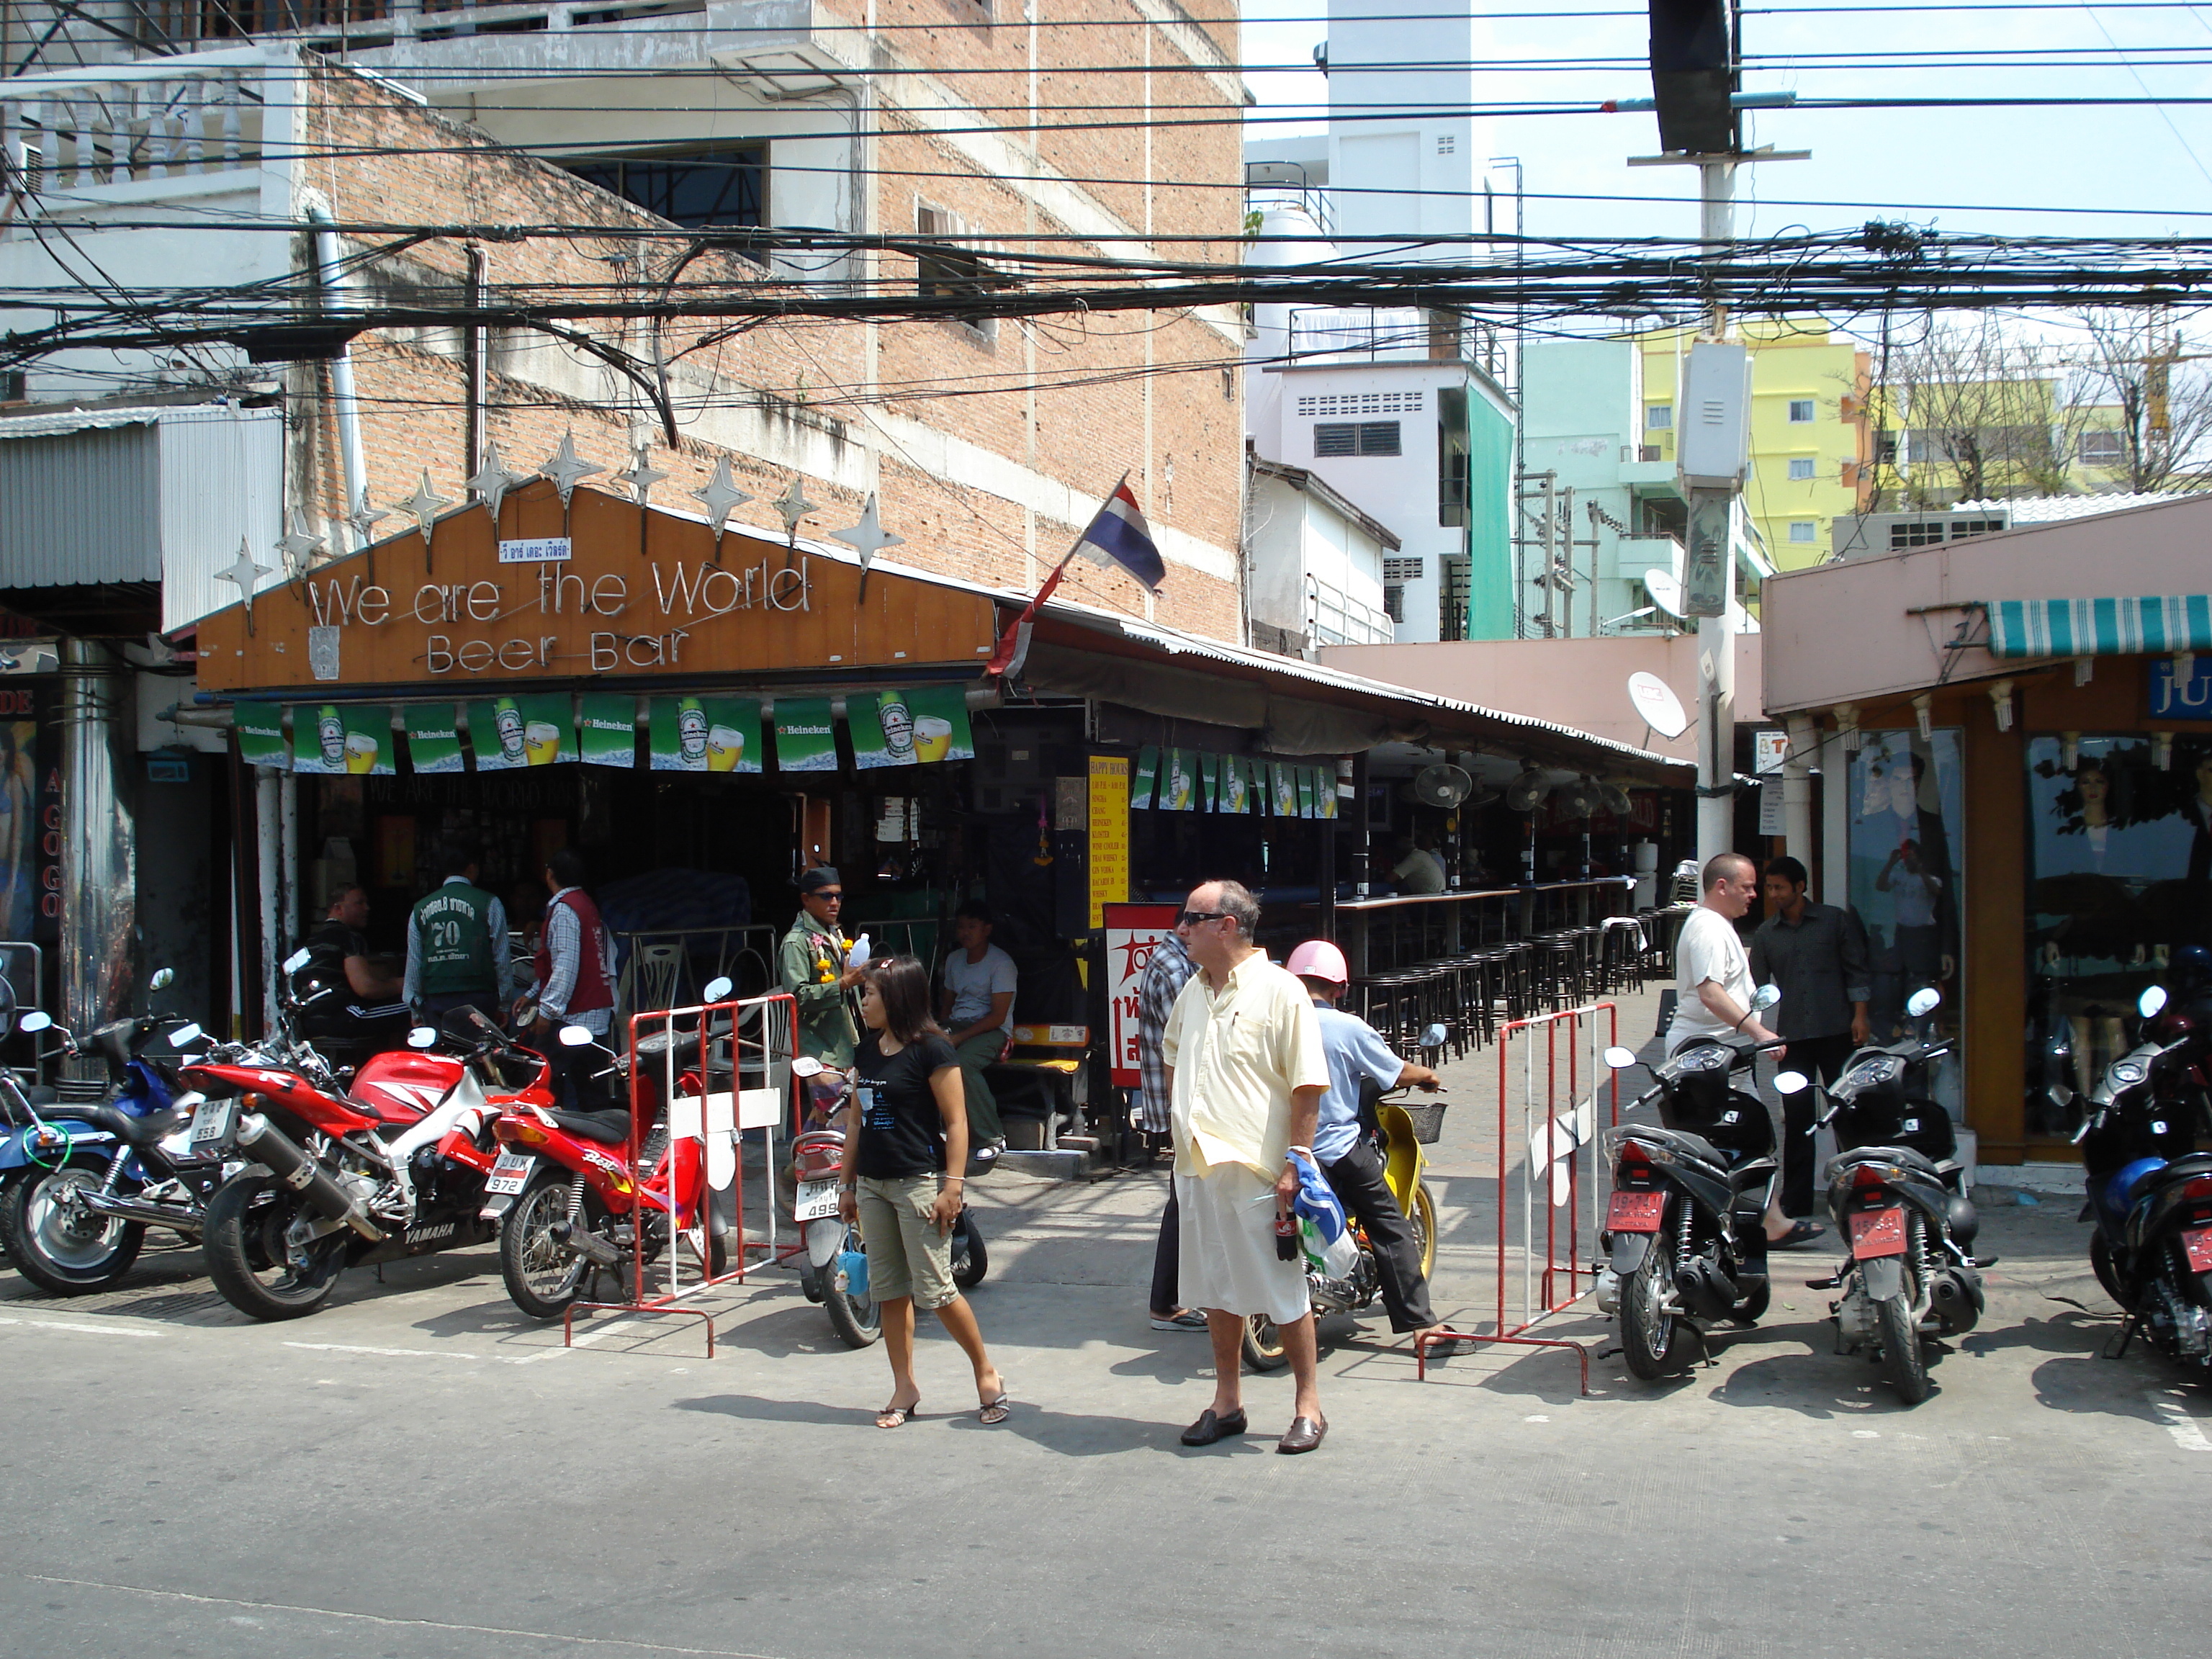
162 980
2060 1096
806 1066
2151 1000
183 1036
575 1036
1619 1058
298 960
718 990
421 1036
37 1020
1433 1036
1925 1000
1765 997
1791 1083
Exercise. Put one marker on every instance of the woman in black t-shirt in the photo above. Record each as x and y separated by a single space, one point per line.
907 1125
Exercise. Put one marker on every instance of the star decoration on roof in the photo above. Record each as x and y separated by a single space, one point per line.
242 573
566 468
493 481
364 519
641 476
297 549
425 504
719 494
793 506
868 536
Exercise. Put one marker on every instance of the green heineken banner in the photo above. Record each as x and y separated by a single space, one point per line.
1147 774
334 738
707 734
806 736
512 733
1209 782
902 728
1328 792
1306 785
433 737
1236 785
260 728
1179 780
607 730
1282 775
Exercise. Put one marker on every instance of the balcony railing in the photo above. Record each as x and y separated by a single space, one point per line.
128 121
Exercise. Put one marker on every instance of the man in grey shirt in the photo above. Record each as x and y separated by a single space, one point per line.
1817 954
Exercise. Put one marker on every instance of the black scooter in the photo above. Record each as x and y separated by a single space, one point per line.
1684 1235
1898 1196
2150 1190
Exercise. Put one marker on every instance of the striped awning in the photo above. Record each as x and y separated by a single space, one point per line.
2100 627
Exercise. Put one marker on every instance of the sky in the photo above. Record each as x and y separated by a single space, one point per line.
2003 171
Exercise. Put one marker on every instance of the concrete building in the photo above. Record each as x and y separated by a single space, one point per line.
1811 441
1318 568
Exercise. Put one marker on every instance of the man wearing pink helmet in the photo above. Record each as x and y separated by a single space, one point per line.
1360 1061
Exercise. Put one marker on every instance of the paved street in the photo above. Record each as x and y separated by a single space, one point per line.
419 1471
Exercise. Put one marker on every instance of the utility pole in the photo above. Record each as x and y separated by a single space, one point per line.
1696 54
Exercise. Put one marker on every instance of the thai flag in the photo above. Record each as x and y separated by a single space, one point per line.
1122 536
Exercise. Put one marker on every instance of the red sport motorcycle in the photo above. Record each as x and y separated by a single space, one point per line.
562 1192
391 1163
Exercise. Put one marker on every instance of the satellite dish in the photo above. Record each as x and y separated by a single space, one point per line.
1525 791
1658 705
1666 593
1441 785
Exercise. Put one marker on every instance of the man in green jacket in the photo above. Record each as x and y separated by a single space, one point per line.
811 966
457 943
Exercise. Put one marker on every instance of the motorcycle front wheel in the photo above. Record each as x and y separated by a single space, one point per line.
1263 1344
1654 1342
542 1279
856 1319
970 1260
2108 1271
59 1246
247 1254
1423 1220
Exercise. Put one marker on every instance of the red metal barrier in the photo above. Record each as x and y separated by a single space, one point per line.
1556 1052
730 1043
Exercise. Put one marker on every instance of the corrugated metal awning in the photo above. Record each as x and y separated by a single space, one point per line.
2099 627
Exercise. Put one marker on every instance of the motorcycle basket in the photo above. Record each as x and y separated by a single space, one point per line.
1428 1119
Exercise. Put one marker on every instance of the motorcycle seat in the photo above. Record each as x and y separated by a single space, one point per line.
608 1128
1919 1162
1683 1141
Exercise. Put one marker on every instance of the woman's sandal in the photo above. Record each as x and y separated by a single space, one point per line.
995 1411
894 1416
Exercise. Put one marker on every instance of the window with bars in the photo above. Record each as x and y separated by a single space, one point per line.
951 270
2103 447
1394 601
1361 403
1356 438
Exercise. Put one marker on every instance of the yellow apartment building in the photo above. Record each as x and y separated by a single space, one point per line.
1810 443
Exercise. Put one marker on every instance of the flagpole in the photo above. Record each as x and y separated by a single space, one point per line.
1012 649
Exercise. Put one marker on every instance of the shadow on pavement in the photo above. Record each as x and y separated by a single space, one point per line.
1070 1434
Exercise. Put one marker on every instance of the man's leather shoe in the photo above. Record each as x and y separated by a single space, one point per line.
1210 1428
1305 1434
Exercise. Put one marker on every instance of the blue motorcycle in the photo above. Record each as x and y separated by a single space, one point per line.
81 1182
2149 1190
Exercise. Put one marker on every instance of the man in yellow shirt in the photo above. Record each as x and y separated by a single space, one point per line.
1246 1074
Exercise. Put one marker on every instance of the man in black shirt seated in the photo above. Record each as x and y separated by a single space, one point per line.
350 1008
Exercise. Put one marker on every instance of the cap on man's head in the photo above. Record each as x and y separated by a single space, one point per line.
820 876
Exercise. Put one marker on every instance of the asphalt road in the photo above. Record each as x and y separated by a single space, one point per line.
419 1471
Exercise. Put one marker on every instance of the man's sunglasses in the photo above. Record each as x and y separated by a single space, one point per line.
1192 918
826 897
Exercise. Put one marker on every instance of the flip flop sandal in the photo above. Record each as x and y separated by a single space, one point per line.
894 1416
994 1410
1801 1234
1183 1319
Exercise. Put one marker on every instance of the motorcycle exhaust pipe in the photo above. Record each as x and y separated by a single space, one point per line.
270 1147
590 1246
117 1207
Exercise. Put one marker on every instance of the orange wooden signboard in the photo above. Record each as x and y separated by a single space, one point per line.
608 591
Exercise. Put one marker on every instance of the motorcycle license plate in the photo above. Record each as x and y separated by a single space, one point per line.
817 1200
1877 1233
212 1124
511 1174
2198 1241
1635 1212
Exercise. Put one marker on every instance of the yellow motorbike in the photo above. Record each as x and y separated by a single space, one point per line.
1400 1126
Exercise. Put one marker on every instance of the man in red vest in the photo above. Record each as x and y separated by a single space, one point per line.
575 975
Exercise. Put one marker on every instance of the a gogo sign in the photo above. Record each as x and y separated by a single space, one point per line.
1133 932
